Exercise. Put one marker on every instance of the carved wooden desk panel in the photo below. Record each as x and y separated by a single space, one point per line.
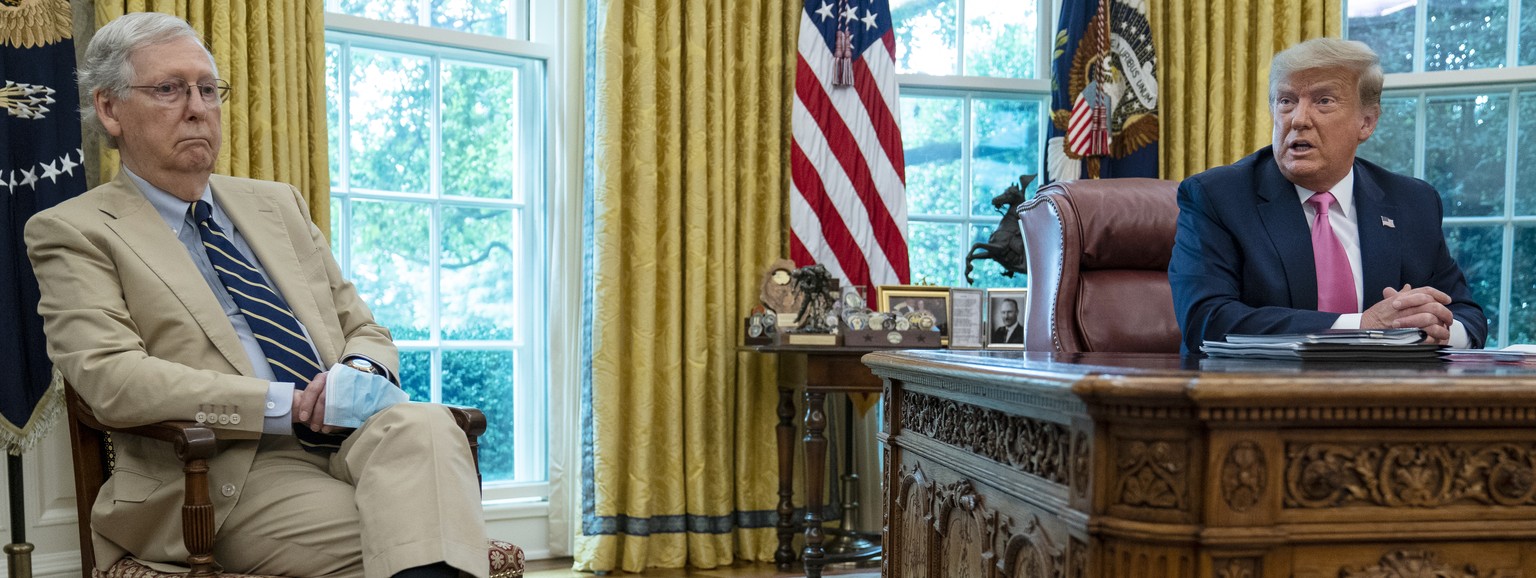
1024 465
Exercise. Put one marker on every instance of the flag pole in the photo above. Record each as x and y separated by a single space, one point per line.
18 554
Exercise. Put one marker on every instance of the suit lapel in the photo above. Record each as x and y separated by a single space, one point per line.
1380 264
261 225
145 233
1286 224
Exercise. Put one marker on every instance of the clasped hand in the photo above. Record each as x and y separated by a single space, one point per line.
1420 307
309 406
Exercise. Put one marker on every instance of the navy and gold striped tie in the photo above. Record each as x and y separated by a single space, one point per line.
282 340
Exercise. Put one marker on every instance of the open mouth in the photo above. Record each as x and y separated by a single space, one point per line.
1300 146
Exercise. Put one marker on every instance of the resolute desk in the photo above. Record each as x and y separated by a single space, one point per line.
1006 463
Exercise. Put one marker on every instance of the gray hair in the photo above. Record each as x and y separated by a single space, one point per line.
107 66
1330 53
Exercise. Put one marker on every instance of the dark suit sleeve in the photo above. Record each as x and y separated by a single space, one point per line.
1223 283
1447 276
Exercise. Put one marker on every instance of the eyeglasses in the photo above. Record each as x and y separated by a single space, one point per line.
175 91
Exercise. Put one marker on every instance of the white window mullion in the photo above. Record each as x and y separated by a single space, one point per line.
1511 169
1420 32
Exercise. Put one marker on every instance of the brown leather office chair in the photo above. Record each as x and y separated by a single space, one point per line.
91 448
1098 255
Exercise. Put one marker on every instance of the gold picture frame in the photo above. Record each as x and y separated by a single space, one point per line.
999 301
931 298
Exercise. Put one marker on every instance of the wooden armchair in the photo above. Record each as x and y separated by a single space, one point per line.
91 447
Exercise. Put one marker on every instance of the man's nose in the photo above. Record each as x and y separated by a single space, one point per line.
1301 116
197 106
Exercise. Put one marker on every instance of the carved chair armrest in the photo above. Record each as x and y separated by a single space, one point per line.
194 444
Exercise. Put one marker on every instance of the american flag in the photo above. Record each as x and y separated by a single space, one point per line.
848 207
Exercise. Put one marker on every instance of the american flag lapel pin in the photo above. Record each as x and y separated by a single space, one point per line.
1387 222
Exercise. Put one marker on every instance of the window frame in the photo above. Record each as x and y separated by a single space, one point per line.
968 89
517 510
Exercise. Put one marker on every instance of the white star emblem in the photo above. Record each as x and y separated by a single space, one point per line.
51 173
825 11
869 20
67 166
27 178
851 13
5 182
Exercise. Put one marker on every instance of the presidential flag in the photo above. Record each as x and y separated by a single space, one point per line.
1103 92
40 165
848 207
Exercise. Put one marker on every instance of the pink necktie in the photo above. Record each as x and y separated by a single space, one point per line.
1335 282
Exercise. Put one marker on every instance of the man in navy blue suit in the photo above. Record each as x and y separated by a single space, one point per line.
1302 236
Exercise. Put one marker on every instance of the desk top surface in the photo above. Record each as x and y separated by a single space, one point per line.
1137 378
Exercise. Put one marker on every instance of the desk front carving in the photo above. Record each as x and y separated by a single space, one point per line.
1004 464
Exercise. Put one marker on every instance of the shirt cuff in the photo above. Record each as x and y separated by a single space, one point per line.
1459 337
1347 321
276 418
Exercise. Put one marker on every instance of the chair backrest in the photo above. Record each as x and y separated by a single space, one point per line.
1098 255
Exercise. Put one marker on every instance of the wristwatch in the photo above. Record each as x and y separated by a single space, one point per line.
363 365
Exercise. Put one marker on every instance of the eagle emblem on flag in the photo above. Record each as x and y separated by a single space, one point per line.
1104 92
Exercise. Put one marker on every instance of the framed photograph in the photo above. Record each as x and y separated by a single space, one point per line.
1006 310
917 307
967 319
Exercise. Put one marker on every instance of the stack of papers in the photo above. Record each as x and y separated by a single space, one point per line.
1519 353
1330 345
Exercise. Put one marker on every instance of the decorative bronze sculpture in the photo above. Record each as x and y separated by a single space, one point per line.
1006 245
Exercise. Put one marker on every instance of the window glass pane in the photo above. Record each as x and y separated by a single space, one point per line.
333 109
1525 176
931 144
391 264
403 11
1387 27
390 112
485 380
1478 249
1522 289
416 375
926 37
1466 34
479 273
1527 36
1005 145
1000 38
1392 144
480 130
1465 159
935 252
987 272
487 17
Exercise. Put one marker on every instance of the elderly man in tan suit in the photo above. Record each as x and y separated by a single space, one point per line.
144 319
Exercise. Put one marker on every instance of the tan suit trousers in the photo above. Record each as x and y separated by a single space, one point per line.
402 492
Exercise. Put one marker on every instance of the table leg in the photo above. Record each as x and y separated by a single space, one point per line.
785 555
815 475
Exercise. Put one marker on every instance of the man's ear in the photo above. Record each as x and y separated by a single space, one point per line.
1368 126
106 111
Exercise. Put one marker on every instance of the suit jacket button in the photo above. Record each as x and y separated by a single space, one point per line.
228 490
234 419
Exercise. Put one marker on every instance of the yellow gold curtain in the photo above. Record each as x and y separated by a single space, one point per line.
273 53
690 163
1214 68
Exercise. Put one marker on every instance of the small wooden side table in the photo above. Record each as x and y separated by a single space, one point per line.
826 370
